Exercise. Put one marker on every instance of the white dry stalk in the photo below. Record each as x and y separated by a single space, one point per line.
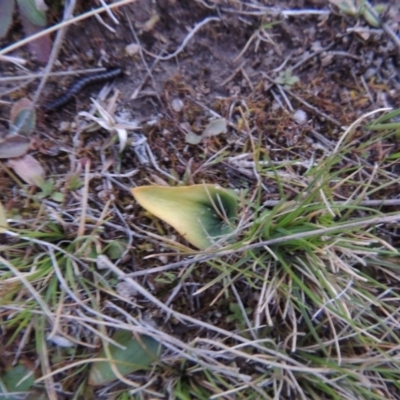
261 10
197 355
109 12
102 22
294 365
84 201
39 75
14 60
107 122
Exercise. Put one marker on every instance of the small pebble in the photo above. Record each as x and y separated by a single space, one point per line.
326 58
275 106
370 72
125 290
300 117
132 49
177 105
65 126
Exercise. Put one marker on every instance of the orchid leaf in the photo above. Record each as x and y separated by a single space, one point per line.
202 214
19 378
33 18
28 169
215 128
23 117
137 353
7 9
30 11
192 138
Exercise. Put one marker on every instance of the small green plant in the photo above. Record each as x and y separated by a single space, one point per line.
238 318
48 189
286 78
356 8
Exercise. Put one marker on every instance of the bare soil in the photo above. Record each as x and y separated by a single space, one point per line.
344 68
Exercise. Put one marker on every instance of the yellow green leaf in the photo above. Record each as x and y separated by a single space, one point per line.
30 11
3 219
202 214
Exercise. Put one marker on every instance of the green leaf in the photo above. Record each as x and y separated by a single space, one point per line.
18 379
200 213
25 123
287 79
23 118
215 127
349 7
115 249
192 138
7 9
371 16
58 197
388 116
29 10
139 353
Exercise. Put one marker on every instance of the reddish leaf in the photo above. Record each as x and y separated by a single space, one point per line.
33 21
14 146
28 169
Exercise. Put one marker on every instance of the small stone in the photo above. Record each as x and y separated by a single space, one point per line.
132 49
326 58
300 117
177 105
125 290
65 126
370 72
275 106
316 46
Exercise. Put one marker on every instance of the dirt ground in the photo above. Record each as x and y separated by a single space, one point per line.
334 68
341 66
344 68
